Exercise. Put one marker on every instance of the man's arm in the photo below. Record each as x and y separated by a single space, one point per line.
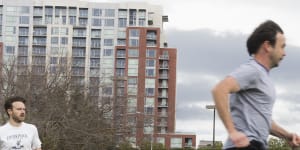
292 138
221 97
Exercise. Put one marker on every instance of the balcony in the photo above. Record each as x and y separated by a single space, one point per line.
162 114
164 57
162 124
163 76
163 86
162 105
163 66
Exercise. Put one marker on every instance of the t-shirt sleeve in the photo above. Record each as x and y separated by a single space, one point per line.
246 76
36 142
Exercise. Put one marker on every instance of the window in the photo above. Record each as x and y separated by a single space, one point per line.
94 62
96 22
54 40
24 10
83 12
83 21
107 90
64 31
132 81
78 52
72 20
134 33
64 40
95 53
72 11
134 42
109 12
23 51
109 22
122 22
23 31
95 43
97 12
107 52
108 42
24 19
150 72
151 53
150 92
133 67
23 40
133 53
96 33
120 72
132 90
150 63
55 31
53 60
10 49
176 143
122 34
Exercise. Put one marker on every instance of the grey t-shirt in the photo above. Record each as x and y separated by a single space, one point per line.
251 107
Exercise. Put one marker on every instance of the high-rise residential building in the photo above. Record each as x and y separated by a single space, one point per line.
121 45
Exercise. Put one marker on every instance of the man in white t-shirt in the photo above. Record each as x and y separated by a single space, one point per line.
15 134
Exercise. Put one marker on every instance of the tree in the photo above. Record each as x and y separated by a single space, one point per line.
278 144
218 146
146 145
67 115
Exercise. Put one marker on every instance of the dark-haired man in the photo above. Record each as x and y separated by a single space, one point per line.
245 98
16 134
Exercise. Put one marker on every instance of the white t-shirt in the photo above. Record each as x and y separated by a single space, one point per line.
24 137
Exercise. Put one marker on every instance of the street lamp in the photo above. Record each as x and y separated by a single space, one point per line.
151 141
214 108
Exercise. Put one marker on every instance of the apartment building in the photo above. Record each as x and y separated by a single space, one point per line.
119 45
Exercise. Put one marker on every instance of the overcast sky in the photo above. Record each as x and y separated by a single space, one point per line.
210 37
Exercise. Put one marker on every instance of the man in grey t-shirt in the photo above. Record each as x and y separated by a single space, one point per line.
247 112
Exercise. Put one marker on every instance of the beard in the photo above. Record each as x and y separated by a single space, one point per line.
18 119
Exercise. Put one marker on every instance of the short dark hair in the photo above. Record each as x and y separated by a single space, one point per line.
10 100
266 31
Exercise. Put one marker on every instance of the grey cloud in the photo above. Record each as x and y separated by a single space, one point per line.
201 51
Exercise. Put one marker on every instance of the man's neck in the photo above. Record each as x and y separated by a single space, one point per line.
262 62
14 123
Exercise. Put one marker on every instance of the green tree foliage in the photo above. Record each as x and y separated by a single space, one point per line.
218 146
278 144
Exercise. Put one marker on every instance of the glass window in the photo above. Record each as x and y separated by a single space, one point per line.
55 30
134 33
97 12
53 60
176 143
64 31
96 33
107 52
72 11
54 40
64 40
24 20
95 53
150 83
150 92
109 12
108 42
9 49
83 12
109 22
134 42
150 63
24 10
96 22
151 53
132 81
133 53
150 72
122 34
122 13
122 22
